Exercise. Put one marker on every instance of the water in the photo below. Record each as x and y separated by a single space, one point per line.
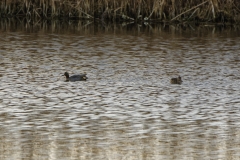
127 109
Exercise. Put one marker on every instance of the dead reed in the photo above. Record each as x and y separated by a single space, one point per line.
221 11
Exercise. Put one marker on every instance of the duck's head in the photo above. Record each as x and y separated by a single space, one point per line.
66 74
179 79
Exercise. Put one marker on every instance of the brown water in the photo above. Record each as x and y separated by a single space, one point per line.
127 109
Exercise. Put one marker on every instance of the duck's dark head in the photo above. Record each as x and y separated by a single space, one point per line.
179 79
66 74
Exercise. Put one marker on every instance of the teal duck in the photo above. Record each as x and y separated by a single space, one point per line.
81 77
177 80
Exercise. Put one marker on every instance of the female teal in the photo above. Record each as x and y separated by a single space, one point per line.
177 80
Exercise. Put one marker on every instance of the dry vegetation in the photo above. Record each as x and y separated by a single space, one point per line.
221 11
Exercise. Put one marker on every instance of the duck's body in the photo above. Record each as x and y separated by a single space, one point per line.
80 77
177 80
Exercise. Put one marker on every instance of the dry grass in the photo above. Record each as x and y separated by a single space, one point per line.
125 10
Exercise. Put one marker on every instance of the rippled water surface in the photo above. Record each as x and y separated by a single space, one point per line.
127 109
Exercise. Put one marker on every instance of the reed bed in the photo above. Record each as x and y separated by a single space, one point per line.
220 11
